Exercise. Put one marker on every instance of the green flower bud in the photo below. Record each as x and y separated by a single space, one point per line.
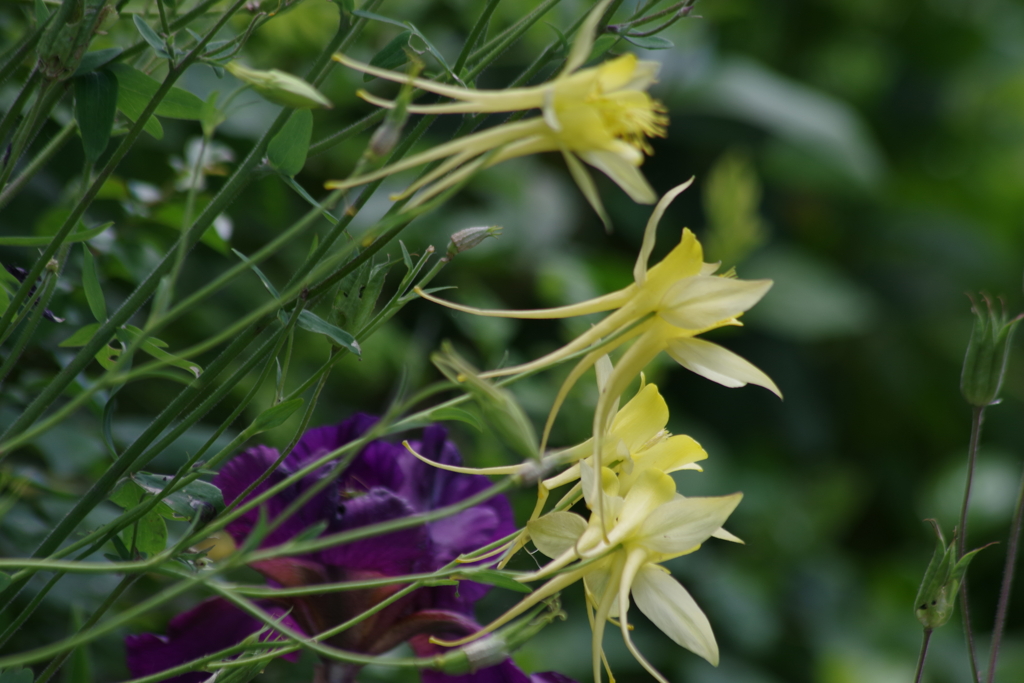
936 597
280 87
471 237
499 407
987 353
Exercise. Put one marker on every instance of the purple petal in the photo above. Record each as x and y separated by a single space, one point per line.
399 552
317 442
506 672
211 626
250 465
550 677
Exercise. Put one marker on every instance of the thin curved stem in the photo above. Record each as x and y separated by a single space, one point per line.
924 654
961 537
1004 591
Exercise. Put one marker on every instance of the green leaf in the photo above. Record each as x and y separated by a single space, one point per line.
371 292
149 533
79 236
108 355
259 273
650 42
197 497
212 115
150 36
95 105
95 59
155 348
287 150
16 676
80 337
42 14
451 413
274 416
493 577
312 322
91 285
5 581
406 257
392 56
136 89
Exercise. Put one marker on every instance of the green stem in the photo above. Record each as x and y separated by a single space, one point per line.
40 160
55 665
474 35
17 54
977 418
38 308
134 453
23 134
178 23
924 654
7 122
1004 591
143 292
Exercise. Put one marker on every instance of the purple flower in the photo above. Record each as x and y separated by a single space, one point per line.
383 482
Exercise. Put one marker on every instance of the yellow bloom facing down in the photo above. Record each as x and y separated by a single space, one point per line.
665 309
649 524
600 115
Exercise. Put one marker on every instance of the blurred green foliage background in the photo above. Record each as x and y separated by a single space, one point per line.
868 156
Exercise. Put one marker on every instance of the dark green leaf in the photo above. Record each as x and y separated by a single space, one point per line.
311 532
312 322
91 285
153 348
195 497
95 105
456 414
80 337
392 56
16 676
148 533
42 14
5 581
259 273
274 416
78 236
287 150
95 59
346 303
108 355
371 292
406 257
150 36
494 577
136 89
650 42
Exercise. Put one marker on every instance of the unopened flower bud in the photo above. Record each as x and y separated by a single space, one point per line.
470 237
987 352
498 406
280 87
937 595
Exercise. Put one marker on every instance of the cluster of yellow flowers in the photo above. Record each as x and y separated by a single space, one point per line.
637 520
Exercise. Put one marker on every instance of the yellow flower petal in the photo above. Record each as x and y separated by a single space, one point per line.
641 419
718 364
683 524
666 603
651 231
702 302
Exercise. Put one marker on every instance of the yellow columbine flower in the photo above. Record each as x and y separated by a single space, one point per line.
650 524
601 115
665 309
